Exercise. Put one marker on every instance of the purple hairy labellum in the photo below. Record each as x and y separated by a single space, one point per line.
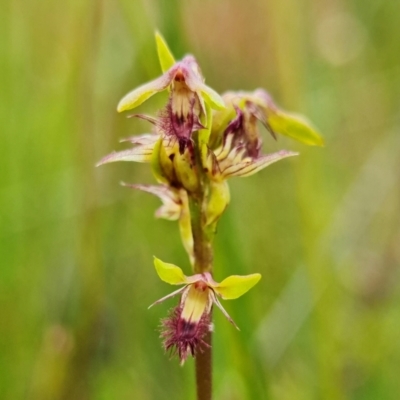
181 337
183 330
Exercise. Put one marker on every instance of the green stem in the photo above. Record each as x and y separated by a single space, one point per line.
203 262
202 239
204 371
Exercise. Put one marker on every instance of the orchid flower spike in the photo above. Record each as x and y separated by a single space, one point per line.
184 329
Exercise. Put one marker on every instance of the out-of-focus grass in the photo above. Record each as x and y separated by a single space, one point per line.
76 249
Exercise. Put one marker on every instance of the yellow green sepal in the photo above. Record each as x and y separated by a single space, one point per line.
211 97
165 56
295 126
235 286
169 273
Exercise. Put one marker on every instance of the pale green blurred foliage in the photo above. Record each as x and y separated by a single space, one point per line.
76 249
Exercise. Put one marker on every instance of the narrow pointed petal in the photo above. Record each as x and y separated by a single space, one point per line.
235 286
219 305
248 166
164 53
169 273
295 126
212 97
146 138
145 117
140 153
168 296
142 93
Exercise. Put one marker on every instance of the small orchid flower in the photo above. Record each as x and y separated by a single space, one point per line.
239 153
183 331
234 145
188 94
259 105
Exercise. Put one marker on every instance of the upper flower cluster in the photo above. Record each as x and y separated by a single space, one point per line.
201 138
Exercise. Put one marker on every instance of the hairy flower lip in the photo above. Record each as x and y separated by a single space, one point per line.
183 338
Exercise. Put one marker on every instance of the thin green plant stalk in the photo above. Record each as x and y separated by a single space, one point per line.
203 367
203 262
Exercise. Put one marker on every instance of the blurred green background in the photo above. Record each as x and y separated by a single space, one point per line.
76 249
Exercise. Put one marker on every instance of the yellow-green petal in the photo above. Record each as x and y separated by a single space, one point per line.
235 286
164 53
220 121
137 96
212 97
296 127
218 200
169 273
156 167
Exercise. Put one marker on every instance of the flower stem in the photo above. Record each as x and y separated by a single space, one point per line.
203 262
204 370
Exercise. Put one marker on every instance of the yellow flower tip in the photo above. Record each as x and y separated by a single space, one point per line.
320 142
169 273
120 107
132 99
123 104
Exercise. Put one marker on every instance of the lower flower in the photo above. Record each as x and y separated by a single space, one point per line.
185 328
